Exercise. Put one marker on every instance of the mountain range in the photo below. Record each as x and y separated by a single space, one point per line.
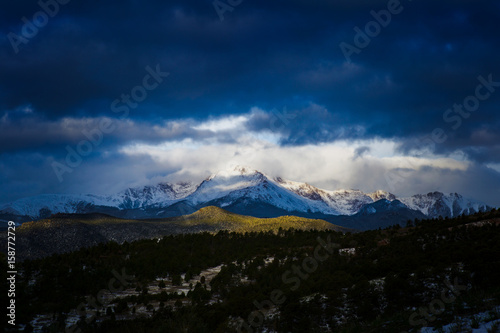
245 191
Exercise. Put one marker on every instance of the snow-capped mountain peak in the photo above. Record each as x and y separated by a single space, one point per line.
224 182
237 170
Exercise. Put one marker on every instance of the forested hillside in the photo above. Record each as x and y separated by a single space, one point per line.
441 273
62 233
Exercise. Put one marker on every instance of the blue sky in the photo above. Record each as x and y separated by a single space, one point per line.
414 109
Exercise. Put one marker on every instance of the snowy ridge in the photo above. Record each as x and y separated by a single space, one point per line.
161 195
61 203
378 195
245 187
344 202
436 204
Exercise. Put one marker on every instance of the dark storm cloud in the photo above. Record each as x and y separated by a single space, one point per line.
263 53
267 54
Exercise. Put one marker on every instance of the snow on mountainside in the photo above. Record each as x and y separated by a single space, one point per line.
378 195
224 182
161 195
436 204
231 185
345 202
247 189
61 203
